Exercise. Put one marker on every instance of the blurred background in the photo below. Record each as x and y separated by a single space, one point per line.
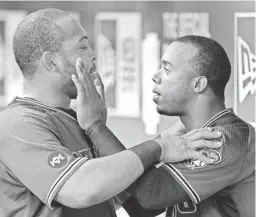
129 38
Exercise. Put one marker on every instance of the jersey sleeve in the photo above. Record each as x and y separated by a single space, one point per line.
35 156
157 189
200 180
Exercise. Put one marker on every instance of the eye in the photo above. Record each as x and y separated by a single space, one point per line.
167 70
83 48
164 67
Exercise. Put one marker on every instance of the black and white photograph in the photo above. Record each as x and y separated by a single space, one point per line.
127 108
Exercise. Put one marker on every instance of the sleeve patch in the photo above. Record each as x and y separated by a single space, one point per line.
57 160
208 152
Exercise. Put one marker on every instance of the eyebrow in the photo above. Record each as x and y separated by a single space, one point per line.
84 37
166 62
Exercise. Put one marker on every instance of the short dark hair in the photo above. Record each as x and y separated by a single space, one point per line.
35 35
211 61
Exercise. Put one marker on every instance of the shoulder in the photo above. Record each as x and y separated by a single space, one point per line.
236 147
21 116
236 132
238 141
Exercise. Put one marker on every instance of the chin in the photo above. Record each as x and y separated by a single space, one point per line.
161 111
167 112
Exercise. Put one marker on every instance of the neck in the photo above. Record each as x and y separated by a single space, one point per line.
46 94
201 111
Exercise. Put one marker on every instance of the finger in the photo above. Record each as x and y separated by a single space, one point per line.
84 77
199 156
101 93
192 132
99 85
98 79
77 83
204 134
94 78
79 69
81 72
204 144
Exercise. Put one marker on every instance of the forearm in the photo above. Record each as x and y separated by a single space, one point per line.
100 179
157 189
96 180
162 191
107 143
109 176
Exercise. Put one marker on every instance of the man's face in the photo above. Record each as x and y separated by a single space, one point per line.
75 45
173 83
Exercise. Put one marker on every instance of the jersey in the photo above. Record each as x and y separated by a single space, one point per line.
225 188
40 148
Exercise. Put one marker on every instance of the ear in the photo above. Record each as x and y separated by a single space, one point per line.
49 61
200 83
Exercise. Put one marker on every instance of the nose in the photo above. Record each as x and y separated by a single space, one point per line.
156 78
92 55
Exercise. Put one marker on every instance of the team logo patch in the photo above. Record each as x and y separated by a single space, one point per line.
210 153
57 160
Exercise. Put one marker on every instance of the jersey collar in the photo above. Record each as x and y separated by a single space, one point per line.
35 102
217 116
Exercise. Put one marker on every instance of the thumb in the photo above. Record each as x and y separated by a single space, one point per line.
101 93
100 89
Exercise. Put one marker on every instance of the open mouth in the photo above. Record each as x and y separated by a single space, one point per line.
156 95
